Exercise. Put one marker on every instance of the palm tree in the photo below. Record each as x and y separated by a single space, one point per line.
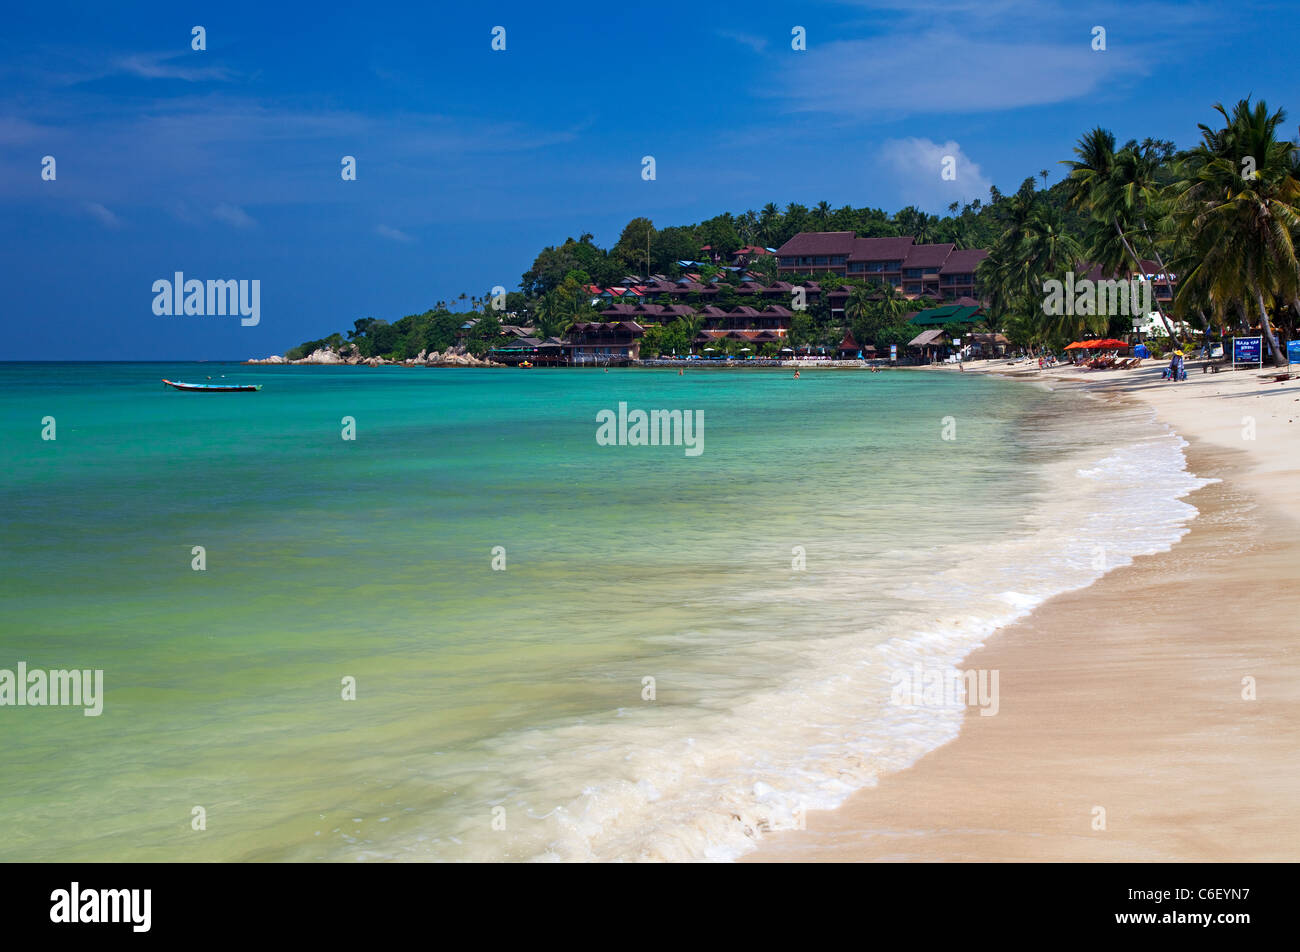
747 227
822 214
1092 187
769 223
1043 175
1244 224
860 303
1139 181
1050 250
692 322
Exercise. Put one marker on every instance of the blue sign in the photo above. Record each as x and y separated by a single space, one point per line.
1293 351
1246 350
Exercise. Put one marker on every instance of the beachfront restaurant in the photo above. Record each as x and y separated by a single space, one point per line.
929 346
548 352
609 343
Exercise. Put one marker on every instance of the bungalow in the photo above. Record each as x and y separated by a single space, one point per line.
849 349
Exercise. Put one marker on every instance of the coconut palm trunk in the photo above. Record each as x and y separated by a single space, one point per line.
1137 263
1279 358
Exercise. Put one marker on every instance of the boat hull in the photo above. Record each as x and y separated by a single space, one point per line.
213 387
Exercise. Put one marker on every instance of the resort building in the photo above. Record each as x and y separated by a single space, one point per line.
939 271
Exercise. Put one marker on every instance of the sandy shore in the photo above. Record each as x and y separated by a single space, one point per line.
1128 695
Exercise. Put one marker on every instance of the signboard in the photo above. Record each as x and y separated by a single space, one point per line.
893 353
1247 350
1293 351
956 342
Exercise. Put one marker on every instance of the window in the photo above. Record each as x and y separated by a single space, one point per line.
821 259
912 273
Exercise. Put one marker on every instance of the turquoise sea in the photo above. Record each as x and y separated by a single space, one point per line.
835 529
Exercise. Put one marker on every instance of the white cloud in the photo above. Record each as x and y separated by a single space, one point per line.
103 215
157 66
756 43
965 74
914 168
234 216
387 232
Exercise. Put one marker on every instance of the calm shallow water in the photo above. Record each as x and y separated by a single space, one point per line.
515 698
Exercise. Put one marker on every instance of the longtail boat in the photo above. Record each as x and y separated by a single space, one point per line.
213 387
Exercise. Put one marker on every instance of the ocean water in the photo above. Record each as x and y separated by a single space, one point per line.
680 653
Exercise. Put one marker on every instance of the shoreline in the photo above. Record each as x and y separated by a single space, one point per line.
1127 695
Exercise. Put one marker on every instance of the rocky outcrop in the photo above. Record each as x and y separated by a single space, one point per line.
323 356
453 357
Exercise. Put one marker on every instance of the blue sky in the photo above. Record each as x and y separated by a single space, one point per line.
225 163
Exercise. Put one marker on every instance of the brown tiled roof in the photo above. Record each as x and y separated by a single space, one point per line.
582 327
776 310
963 261
927 256
818 243
880 249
